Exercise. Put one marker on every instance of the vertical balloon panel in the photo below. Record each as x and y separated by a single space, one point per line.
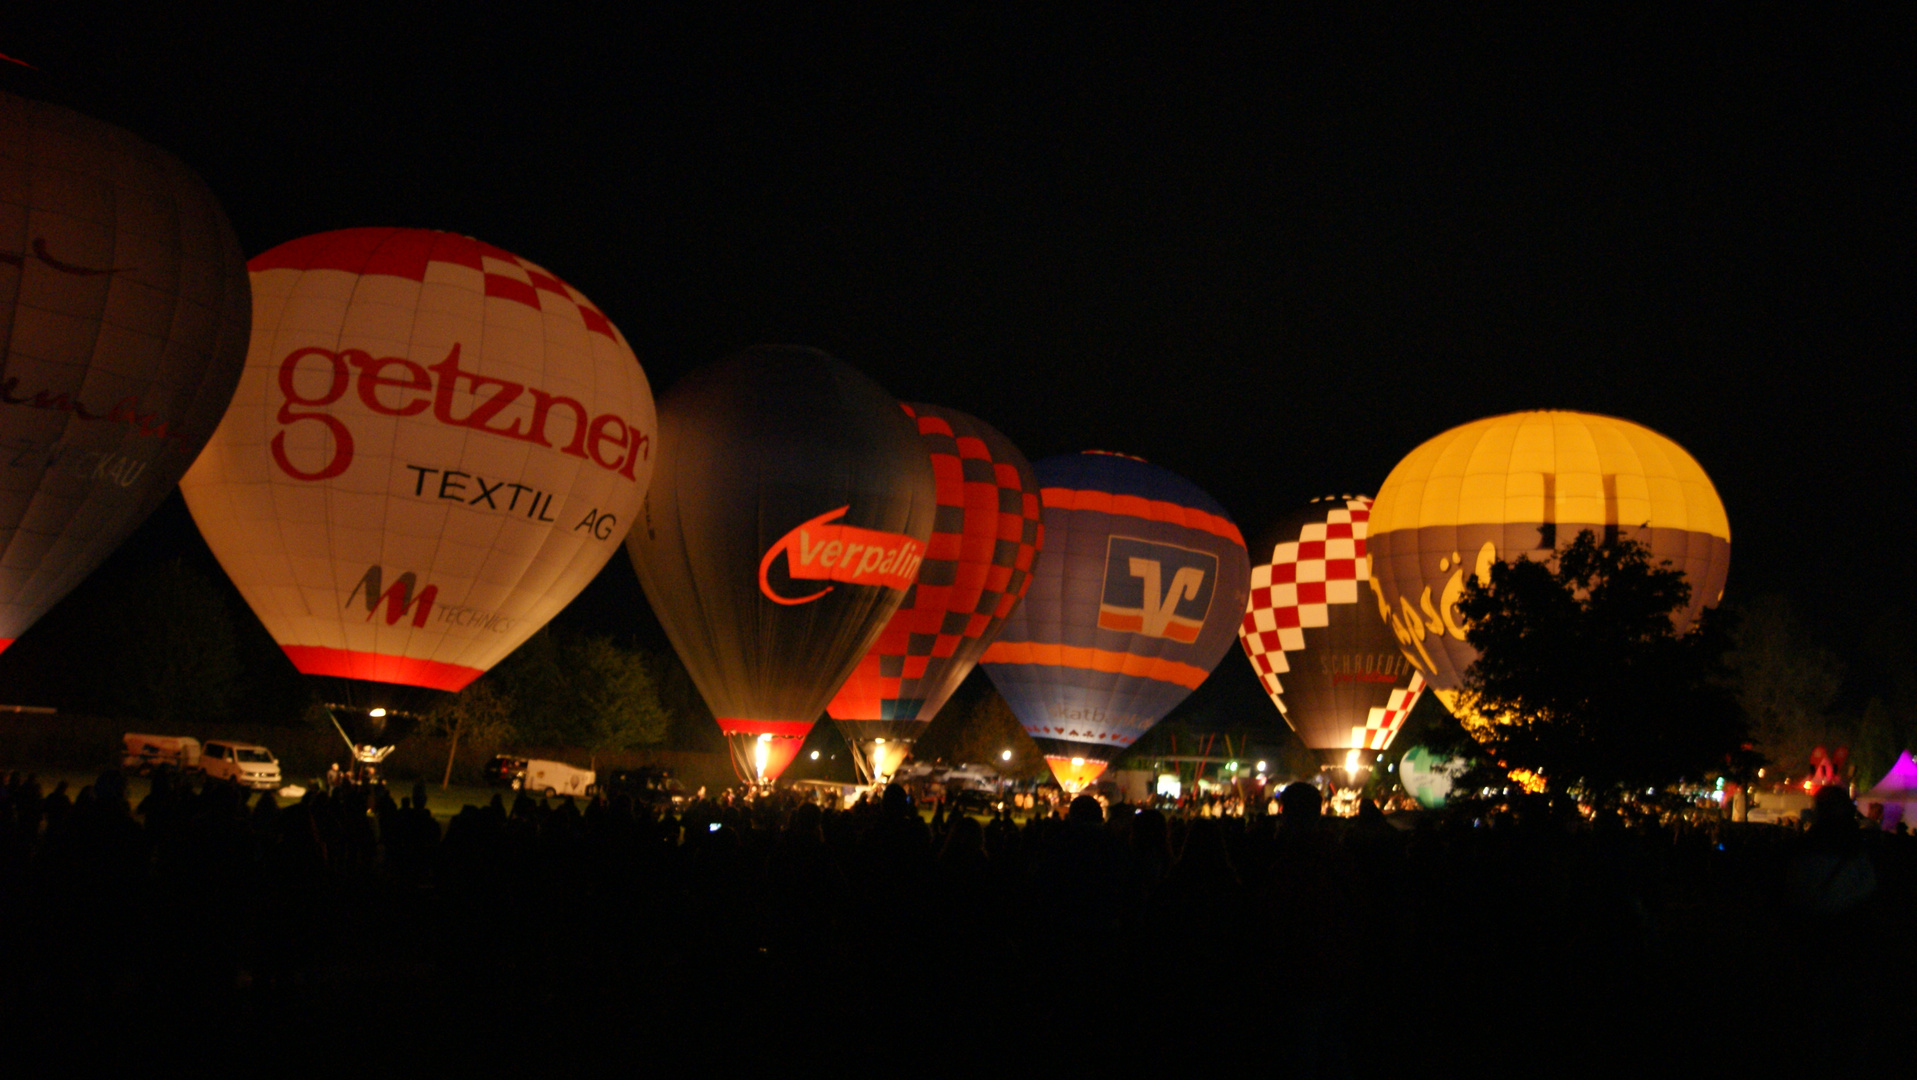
788 518
435 446
123 333
1136 597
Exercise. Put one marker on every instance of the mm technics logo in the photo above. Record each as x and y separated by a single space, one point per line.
399 597
1157 590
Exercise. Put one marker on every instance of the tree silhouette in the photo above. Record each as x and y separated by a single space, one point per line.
1583 678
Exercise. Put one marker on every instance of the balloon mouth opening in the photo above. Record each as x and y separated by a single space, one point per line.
1075 774
761 749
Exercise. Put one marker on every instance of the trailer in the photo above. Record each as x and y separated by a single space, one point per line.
145 753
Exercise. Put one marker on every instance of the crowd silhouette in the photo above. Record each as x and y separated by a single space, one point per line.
1490 934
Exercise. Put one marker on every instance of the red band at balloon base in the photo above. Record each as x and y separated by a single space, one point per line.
376 667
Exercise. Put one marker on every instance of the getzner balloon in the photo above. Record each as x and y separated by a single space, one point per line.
435 446
1524 485
788 517
123 333
1332 668
1133 602
977 566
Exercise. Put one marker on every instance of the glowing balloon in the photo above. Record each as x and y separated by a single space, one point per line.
977 566
1332 668
123 332
435 446
1522 485
1427 777
788 518
1133 601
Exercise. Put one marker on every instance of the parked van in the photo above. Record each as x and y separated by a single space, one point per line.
550 778
144 753
245 764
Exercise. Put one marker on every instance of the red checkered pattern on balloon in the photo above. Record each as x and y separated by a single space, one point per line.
1296 588
406 253
1383 723
978 565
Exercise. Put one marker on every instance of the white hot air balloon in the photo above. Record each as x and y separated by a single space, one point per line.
434 447
122 332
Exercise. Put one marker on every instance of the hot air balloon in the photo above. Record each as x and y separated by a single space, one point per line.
124 331
1134 600
1524 485
1427 776
434 447
1332 668
788 517
977 566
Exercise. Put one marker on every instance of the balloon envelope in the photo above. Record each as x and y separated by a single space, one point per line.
789 516
435 446
978 564
1428 777
1329 663
1134 599
123 334
1523 485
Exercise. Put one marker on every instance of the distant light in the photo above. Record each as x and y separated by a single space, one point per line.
1005 755
1078 761
878 742
377 713
815 755
1232 765
1261 766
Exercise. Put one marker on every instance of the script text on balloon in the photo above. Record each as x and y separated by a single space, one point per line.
607 440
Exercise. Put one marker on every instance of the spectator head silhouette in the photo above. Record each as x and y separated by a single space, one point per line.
1300 799
1085 811
895 802
1835 811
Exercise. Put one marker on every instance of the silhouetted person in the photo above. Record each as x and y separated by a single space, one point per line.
1082 889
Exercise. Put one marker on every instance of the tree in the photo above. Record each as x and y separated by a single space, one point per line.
976 725
580 690
481 714
1785 684
1583 678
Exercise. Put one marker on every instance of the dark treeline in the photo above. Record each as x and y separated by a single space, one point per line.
778 929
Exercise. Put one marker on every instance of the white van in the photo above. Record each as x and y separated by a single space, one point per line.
550 778
245 764
144 753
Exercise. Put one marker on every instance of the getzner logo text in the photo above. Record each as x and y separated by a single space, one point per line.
313 378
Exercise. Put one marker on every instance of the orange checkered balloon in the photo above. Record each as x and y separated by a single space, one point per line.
978 564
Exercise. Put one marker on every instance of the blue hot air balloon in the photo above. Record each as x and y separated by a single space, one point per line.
1134 599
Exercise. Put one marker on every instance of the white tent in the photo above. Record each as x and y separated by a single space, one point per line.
1896 792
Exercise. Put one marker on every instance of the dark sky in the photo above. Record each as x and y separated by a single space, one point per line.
1271 251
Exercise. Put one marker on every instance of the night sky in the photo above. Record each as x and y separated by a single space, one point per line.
1271 251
